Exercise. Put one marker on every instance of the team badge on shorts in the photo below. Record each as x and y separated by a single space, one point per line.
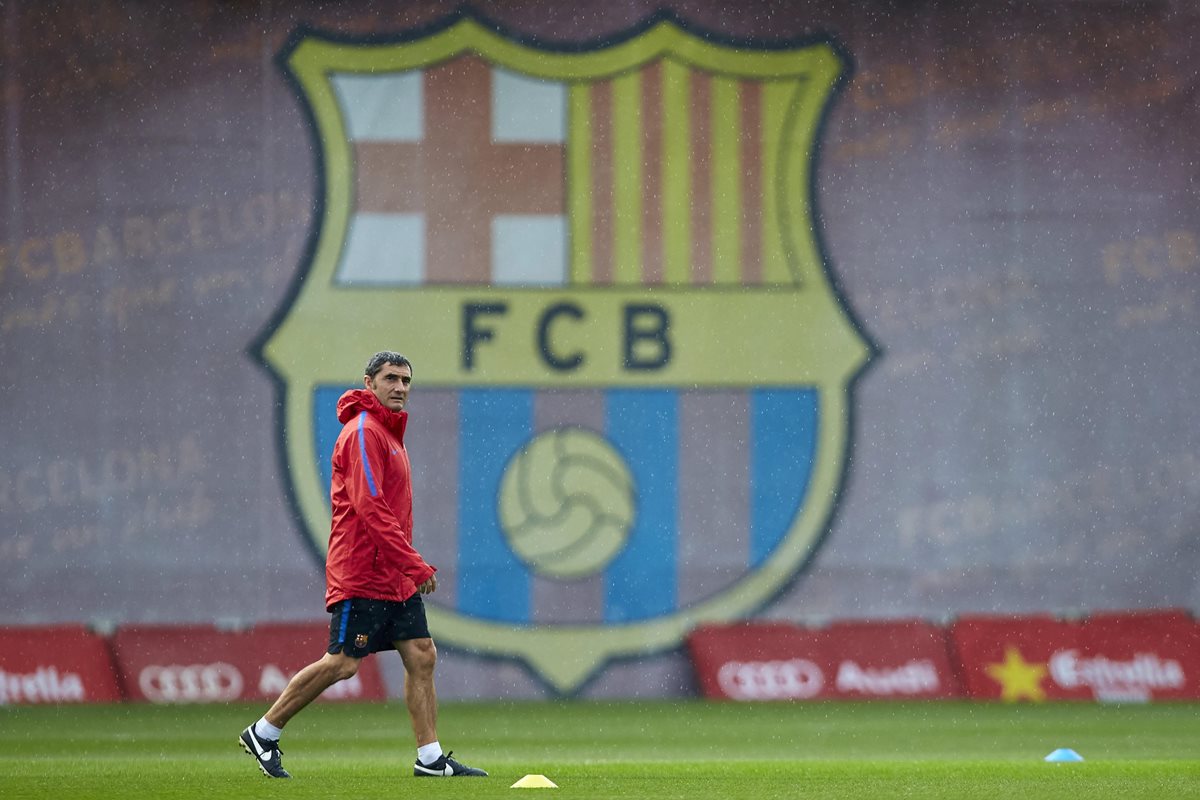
633 369
360 640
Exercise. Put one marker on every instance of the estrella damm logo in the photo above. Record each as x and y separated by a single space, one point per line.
632 369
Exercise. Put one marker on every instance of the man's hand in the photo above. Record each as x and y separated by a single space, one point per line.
429 586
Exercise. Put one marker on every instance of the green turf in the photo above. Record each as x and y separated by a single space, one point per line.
685 749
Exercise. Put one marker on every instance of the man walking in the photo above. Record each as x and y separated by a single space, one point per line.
374 578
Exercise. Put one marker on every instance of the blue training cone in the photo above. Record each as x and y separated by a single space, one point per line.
1064 755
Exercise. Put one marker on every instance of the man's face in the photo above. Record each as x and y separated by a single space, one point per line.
390 385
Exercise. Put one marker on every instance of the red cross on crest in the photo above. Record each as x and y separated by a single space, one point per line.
450 171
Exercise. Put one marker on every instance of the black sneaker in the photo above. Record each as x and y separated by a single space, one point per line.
446 767
265 751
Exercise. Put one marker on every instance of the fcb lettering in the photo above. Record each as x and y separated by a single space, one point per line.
644 334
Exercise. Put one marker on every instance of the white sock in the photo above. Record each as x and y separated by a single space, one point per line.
429 753
266 730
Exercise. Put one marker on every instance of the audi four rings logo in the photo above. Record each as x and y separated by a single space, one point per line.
770 680
192 683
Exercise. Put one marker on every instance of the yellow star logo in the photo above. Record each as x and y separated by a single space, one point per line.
1017 677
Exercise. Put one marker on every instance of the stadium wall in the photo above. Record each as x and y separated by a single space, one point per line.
854 310
1138 657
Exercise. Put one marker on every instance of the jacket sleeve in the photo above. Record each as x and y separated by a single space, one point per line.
365 459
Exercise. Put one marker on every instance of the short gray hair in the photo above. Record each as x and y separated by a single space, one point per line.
383 357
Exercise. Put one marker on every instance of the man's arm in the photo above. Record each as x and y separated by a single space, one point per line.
365 458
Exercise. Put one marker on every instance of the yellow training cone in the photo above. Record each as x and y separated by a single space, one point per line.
534 782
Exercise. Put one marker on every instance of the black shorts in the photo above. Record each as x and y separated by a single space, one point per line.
359 627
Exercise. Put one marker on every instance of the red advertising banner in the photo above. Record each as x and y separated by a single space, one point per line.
1131 657
58 664
199 664
779 661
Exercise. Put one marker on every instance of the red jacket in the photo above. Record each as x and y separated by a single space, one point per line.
370 542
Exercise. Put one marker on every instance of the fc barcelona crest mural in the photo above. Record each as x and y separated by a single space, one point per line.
633 370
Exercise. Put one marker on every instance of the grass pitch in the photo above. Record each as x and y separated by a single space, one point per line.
688 749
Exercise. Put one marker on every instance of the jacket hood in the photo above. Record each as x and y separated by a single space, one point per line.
355 401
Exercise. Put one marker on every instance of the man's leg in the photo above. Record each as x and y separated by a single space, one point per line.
307 685
420 657
261 739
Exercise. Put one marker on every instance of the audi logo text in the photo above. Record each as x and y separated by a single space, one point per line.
192 683
771 680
